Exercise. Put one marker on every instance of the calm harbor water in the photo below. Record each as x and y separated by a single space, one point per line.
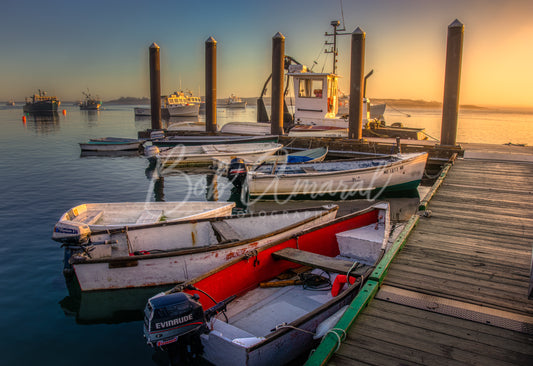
43 175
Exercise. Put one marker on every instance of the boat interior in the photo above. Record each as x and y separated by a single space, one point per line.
307 284
325 166
194 234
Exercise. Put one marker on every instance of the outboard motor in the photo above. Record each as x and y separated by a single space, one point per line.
237 172
175 321
170 316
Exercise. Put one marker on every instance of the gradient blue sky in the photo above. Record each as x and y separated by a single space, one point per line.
67 46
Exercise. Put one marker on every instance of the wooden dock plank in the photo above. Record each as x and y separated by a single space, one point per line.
434 339
475 248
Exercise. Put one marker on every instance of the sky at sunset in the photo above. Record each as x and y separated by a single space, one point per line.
67 46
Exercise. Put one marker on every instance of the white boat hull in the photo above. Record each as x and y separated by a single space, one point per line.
246 128
83 219
155 270
207 154
403 174
183 110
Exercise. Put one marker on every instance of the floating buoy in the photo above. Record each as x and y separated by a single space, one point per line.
64 112
23 119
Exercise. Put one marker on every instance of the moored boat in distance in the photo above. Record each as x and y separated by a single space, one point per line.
90 103
178 105
111 144
41 103
401 172
10 102
268 321
76 224
142 111
172 252
234 102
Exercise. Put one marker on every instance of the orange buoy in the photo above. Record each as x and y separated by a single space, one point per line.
23 119
64 112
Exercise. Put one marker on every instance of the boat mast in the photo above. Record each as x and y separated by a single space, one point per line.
333 50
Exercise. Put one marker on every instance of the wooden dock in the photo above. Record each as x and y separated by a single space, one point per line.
457 293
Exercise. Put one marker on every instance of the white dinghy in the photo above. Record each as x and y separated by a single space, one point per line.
208 154
173 252
401 172
77 223
266 308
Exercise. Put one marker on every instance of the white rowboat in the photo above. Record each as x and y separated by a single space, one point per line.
78 222
207 154
401 172
169 253
242 314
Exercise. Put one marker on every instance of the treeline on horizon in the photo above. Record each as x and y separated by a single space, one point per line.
404 103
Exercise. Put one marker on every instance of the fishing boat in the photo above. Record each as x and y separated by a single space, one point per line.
172 252
192 140
111 144
400 172
90 103
209 154
80 221
265 307
234 102
41 103
178 105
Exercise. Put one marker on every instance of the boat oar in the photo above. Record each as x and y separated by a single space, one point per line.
280 283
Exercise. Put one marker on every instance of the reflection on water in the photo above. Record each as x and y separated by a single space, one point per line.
90 116
109 154
43 123
111 307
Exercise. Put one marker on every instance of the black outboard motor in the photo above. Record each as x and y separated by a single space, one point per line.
168 317
175 321
237 172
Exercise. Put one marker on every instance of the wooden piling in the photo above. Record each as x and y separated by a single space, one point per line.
210 85
450 105
155 86
355 120
278 55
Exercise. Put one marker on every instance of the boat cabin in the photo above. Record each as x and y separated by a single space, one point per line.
315 94
177 99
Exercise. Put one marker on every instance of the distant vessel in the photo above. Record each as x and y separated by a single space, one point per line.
41 103
90 103
176 104
179 105
11 102
234 102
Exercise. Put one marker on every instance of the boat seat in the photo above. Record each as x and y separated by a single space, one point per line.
229 331
149 217
323 262
88 217
225 231
209 149
309 169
